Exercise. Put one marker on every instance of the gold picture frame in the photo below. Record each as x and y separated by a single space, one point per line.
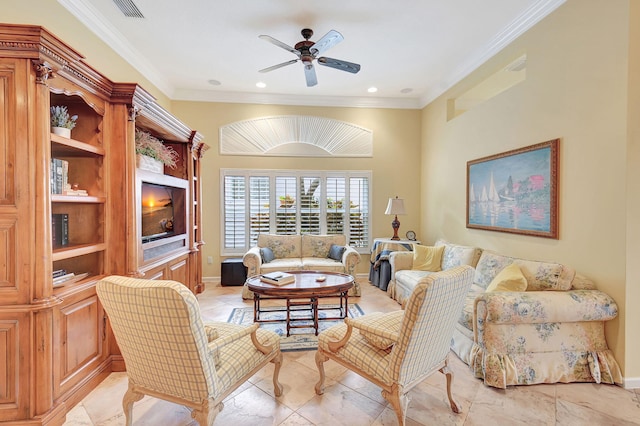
515 191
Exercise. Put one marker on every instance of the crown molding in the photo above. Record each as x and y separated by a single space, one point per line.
534 14
89 16
301 100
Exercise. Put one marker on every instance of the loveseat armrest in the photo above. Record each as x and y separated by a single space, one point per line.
400 260
540 307
252 260
350 258
543 337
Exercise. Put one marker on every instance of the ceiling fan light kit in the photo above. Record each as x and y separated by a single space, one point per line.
307 51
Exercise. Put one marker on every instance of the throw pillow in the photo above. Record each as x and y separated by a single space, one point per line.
509 279
212 333
266 254
384 323
336 252
427 258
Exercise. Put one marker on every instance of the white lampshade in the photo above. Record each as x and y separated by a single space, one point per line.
395 206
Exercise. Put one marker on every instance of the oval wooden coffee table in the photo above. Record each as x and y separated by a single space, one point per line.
301 295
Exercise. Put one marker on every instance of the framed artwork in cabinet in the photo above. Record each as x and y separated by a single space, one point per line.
515 191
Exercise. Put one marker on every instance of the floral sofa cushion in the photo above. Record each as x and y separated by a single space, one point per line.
283 246
319 245
456 255
540 275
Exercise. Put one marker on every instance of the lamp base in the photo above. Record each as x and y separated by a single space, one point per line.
395 225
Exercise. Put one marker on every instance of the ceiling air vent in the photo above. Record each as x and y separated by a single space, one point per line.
128 8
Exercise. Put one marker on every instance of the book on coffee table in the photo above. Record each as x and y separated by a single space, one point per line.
278 278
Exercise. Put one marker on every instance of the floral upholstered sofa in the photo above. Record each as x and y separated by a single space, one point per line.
327 253
551 332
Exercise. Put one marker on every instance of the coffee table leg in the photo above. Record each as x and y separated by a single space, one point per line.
288 317
256 307
346 304
314 311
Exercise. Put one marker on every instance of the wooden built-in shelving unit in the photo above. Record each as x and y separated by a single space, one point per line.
55 340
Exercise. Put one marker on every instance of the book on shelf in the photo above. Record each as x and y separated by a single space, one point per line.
65 174
60 229
58 175
69 278
59 272
278 278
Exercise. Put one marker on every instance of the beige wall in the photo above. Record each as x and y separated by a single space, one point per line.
632 334
395 163
575 90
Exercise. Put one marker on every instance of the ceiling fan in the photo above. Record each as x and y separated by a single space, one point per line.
307 51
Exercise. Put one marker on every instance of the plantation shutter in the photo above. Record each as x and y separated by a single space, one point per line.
359 212
336 208
286 205
234 211
259 206
310 196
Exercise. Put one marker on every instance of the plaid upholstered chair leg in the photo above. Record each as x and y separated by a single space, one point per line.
170 354
398 350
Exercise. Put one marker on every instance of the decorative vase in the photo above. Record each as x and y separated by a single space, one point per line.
144 162
61 131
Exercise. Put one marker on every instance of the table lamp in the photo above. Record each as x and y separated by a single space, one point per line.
395 207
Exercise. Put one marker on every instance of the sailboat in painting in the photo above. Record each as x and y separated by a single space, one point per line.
493 193
483 196
506 193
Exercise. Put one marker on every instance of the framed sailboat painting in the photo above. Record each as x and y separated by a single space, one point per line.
515 191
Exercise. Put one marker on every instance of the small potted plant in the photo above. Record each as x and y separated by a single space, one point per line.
287 201
152 154
61 121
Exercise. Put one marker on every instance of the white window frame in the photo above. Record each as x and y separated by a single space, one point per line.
272 174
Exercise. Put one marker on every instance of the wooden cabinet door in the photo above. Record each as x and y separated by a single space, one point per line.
178 270
80 340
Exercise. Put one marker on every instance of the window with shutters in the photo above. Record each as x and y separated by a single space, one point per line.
293 202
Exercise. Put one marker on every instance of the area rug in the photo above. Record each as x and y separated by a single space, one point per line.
301 339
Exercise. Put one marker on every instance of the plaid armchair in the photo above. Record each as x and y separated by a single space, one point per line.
398 350
169 352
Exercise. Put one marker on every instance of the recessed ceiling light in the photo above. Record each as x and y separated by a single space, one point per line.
214 82
407 90
372 89
261 85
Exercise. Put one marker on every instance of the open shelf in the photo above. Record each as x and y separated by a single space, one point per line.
59 198
71 147
75 251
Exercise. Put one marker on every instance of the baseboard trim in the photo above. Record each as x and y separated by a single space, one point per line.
212 281
631 383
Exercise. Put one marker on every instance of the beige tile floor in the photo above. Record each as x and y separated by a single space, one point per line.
351 400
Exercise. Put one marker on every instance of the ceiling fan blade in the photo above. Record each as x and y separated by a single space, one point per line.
310 74
275 67
327 41
279 44
339 64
